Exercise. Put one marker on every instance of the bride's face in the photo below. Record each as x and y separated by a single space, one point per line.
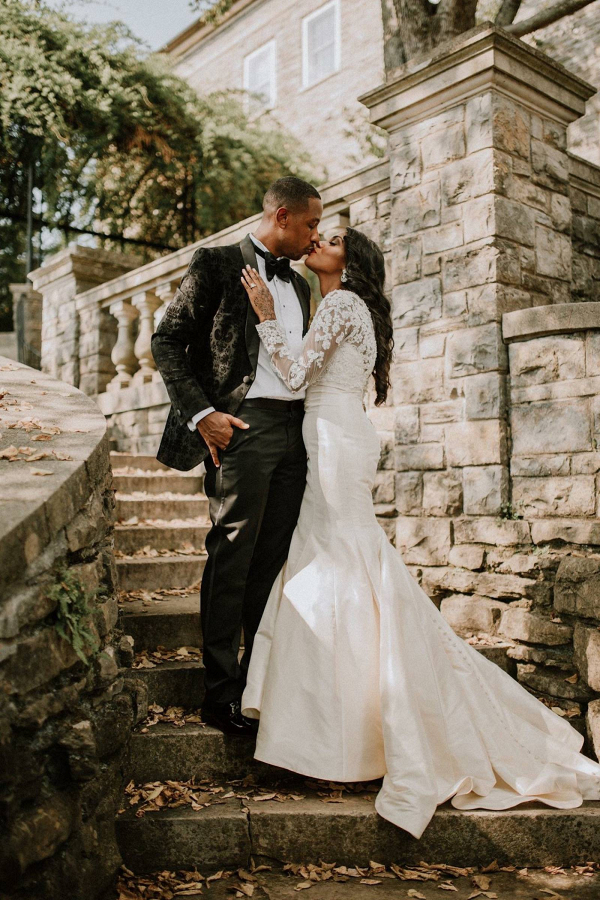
328 257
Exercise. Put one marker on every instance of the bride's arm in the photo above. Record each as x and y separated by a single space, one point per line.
332 323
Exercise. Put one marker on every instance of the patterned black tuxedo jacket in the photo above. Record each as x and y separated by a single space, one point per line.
206 345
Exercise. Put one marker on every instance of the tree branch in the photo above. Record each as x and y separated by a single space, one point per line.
507 12
547 16
65 226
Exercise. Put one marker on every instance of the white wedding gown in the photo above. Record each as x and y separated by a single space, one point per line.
354 672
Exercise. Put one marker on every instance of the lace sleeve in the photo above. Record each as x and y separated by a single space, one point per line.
333 322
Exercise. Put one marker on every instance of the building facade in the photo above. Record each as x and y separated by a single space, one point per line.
305 65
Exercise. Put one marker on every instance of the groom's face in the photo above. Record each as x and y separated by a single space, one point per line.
301 230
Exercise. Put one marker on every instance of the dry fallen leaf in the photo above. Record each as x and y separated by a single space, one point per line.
482 881
416 894
41 472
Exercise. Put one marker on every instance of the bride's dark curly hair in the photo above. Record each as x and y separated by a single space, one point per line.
365 270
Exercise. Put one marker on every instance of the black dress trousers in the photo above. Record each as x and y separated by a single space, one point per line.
254 503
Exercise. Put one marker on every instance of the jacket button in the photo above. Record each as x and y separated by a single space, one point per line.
247 379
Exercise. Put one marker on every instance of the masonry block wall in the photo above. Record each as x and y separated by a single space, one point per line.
494 243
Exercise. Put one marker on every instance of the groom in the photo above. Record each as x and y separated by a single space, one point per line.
232 411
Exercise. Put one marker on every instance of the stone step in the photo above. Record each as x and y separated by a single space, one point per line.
174 683
171 623
352 833
165 506
138 461
150 573
158 483
197 751
129 538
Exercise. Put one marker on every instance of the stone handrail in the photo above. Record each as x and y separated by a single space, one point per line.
138 298
59 650
35 507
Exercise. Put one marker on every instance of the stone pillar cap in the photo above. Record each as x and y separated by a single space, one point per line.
484 58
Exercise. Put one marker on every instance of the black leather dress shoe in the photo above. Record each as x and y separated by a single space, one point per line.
229 719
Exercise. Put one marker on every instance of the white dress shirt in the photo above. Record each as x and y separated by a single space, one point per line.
288 313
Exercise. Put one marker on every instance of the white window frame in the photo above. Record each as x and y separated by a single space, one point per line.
337 43
272 48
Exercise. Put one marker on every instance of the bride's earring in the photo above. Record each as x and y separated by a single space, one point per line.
344 276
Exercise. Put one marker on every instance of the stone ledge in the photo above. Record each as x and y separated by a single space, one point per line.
556 318
142 396
33 507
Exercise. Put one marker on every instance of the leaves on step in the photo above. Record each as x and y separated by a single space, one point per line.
161 885
171 794
199 521
149 659
148 552
148 597
173 715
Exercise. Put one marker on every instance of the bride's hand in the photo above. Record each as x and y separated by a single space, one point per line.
259 294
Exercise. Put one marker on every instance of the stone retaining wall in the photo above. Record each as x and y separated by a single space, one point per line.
64 720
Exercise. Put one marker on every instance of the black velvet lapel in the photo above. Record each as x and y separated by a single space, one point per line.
252 338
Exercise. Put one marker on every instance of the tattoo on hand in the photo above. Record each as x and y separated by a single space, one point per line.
259 294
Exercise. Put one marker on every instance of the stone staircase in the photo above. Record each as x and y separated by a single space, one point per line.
198 798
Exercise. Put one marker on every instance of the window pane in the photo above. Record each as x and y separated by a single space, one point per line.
320 37
260 78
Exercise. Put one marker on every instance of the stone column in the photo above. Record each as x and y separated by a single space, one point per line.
480 223
146 302
123 354
27 318
62 276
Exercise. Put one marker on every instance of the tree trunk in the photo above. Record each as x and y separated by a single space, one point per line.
411 27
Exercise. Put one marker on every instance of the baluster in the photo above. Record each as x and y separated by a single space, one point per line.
147 303
123 355
166 292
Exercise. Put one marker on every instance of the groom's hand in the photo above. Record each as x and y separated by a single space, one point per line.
217 428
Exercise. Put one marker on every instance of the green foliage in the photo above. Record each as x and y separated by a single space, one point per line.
508 511
72 609
212 10
122 145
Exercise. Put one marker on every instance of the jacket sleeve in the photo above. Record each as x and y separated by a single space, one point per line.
190 312
332 324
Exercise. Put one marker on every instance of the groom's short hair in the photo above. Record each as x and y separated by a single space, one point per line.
291 192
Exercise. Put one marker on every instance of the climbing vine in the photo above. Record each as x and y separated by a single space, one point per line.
72 610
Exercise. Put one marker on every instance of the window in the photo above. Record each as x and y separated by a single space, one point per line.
259 78
321 43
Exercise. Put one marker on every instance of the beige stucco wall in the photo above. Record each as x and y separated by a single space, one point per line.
321 114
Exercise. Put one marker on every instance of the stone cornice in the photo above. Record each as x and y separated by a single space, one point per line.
485 57
188 39
88 264
556 318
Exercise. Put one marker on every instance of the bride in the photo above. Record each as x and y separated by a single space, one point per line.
354 673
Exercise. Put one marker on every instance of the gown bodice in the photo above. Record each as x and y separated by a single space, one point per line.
339 350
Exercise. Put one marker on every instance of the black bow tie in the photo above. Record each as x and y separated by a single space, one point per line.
275 266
